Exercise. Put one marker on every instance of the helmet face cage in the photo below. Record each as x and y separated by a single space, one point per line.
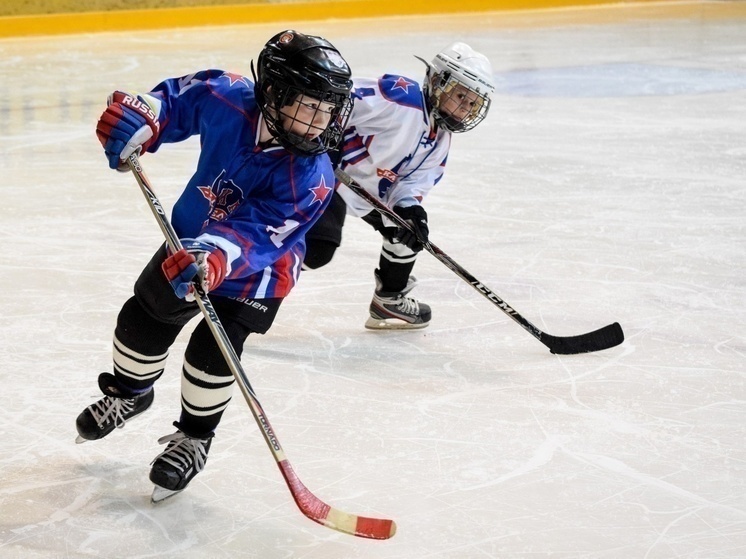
303 90
291 115
450 99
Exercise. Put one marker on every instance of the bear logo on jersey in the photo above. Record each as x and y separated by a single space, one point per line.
388 177
387 174
223 196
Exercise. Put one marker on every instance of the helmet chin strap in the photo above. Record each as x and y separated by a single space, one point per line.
265 136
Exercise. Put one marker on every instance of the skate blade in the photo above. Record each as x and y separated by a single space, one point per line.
80 440
392 324
161 494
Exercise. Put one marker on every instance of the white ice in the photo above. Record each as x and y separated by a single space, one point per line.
607 184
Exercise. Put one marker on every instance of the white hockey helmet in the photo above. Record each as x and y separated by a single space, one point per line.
459 87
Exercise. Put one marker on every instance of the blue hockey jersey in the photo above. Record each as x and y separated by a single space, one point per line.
255 202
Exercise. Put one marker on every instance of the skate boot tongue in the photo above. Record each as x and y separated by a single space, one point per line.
112 411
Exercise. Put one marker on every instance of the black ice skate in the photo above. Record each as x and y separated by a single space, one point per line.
393 310
176 466
111 411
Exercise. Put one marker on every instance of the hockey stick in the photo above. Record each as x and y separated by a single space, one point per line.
603 338
310 505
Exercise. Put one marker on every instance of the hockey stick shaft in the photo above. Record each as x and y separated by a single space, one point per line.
308 503
603 338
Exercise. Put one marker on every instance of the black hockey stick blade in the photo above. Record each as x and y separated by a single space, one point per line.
603 338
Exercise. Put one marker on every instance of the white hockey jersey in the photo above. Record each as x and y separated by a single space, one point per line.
389 147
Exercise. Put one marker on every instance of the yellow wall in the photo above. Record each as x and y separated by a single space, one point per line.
52 17
28 7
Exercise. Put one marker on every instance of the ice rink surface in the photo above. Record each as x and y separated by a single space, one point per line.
607 184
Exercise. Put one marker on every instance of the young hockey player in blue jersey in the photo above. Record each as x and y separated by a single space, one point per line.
395 146
262 180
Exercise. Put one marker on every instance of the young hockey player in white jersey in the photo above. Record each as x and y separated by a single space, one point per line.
396 145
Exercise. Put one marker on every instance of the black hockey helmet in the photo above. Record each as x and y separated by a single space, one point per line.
293 64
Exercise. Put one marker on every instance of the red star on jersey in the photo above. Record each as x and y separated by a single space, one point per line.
320 192
234 78
402 83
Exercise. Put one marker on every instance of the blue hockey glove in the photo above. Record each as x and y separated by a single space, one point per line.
128 124
197 261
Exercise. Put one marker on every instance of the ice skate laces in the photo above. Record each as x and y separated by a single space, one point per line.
407 305
109 409
183 452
